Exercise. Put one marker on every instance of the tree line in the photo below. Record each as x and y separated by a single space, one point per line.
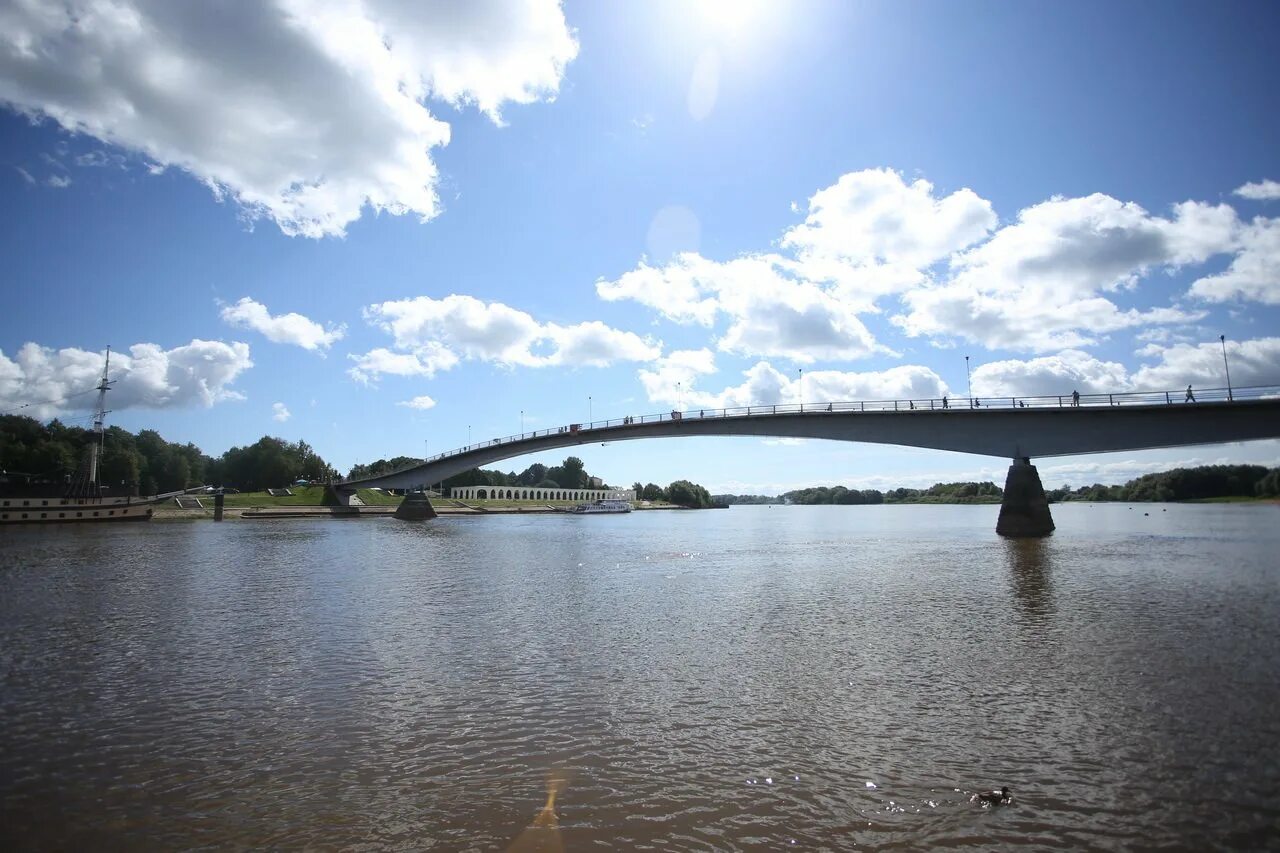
147 464
1179 484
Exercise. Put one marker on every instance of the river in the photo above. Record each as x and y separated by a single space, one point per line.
823 678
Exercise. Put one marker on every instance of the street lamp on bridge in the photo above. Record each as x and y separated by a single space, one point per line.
969 380
591 412
1225 366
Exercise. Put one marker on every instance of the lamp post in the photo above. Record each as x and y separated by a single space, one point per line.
679 396
591 412
1225 366
426 454
802 389
522 423
968 378
468 435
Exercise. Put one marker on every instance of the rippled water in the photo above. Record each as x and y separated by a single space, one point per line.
718 680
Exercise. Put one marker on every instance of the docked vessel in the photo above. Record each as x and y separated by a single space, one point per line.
605 505
81 498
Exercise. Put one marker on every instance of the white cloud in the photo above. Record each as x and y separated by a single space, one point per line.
26 176
58 182
1252 362
280 412
1267 190
1254 273
771 311
874 216
673 381
282 328
148 377
421 403
1070 370
304 111
425 361
458 327
1039 283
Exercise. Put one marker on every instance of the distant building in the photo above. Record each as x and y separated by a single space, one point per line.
595 483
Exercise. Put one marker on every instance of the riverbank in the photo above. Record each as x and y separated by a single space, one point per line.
261 506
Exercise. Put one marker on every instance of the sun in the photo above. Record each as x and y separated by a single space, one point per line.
732 19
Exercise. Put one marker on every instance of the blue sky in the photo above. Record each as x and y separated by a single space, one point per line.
381 226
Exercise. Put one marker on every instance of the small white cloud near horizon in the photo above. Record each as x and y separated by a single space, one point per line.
288 328
1265 190
280 412
58 182
421 403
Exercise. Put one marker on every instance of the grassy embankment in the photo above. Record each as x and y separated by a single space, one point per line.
302 496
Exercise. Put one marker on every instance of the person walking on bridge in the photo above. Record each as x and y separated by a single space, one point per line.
1075 398
1191 398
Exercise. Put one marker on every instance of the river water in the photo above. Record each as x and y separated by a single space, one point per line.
830 678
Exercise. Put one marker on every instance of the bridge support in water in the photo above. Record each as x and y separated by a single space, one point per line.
415 507
1024 512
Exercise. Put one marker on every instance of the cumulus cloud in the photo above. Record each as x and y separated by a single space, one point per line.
874 216
1267 190
280 412
434 334
421 403
1045 281
1168 367
771 309
673 381
1065 274
1254 273
1252 362
58 182
303 111
282 328
1067 371
43 382
425 361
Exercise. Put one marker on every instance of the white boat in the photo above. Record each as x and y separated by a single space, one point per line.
602 506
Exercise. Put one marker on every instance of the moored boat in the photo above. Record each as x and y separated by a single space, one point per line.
605 505
81 498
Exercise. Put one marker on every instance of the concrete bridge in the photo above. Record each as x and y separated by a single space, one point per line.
1017 428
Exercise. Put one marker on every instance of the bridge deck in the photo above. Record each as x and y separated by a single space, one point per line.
991 426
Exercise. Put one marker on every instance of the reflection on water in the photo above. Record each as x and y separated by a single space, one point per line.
1028 563
836 677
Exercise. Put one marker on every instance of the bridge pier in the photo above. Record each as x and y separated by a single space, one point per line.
416 506
1024 512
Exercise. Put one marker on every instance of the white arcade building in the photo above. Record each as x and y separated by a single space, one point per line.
538 493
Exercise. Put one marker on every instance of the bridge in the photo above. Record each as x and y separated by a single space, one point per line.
1017 428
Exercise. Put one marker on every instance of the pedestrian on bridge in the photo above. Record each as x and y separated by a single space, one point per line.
1075 398
1191 398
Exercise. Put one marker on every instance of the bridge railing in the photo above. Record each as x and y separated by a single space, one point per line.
918 404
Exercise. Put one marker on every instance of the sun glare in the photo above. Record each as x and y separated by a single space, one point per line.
731 19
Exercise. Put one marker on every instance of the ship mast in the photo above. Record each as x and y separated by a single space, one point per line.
95 448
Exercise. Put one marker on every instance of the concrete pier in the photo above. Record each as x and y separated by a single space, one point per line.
1025 510
415 507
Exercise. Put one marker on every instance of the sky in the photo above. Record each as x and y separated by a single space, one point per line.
390 227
